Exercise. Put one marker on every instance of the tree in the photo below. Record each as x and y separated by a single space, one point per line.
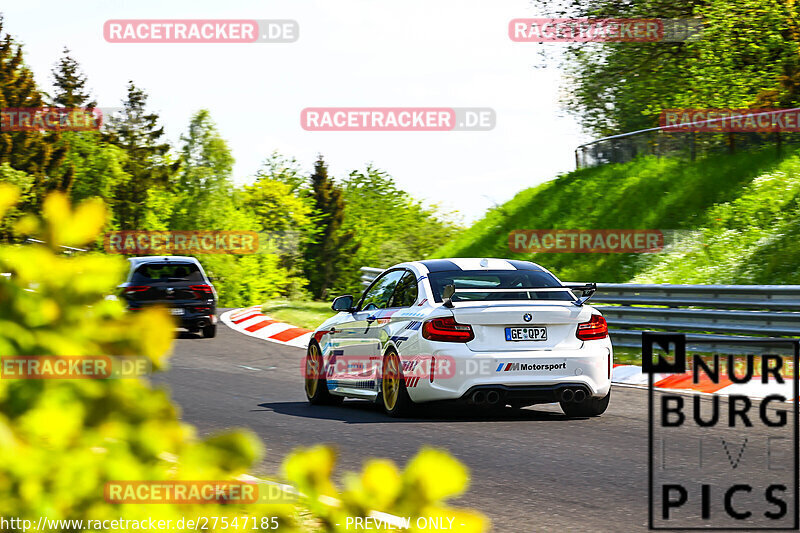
330 244
284 169
147 163
204 186
402 230
747 55
96 167
70 83
34 152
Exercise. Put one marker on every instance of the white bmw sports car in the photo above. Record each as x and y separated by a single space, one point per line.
486 332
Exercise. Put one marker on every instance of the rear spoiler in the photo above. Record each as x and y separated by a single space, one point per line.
587 291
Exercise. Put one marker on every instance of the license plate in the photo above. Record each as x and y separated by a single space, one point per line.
176 311
531 333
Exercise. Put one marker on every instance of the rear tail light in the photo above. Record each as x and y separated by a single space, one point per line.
203 291
595 329
447 329
201 309
135 288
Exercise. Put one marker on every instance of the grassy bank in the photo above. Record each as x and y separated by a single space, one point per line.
302 314
743 210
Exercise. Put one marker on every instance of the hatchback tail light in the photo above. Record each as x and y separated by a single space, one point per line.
203 291
595 329
447 329
135 288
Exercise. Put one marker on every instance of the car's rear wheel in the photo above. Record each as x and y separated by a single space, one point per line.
316 385
210 331
587 408
394 395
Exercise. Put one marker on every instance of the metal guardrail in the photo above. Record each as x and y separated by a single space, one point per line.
710 314
666 141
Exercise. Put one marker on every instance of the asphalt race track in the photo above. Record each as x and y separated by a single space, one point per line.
532 470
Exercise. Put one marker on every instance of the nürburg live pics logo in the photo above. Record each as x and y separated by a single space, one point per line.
724 457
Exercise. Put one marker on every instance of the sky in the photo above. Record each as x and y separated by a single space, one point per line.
350 53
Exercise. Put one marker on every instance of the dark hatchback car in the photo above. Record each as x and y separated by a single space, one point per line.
176 282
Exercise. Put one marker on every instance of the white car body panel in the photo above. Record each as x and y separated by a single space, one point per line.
353 352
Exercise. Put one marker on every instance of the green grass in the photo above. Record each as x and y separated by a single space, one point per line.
743 210
627 356
302 314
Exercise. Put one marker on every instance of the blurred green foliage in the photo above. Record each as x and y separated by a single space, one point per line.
62 440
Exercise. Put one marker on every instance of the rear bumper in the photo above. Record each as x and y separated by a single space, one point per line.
528 375
198 321
191 319
524 394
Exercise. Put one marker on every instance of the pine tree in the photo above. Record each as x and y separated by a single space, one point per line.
34 152
70 83
148 163
323 254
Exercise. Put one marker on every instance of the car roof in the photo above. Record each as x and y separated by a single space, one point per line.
477 263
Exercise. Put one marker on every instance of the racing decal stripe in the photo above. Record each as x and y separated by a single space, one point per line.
523 265
439 265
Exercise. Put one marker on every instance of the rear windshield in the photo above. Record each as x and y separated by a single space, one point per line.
153 272
470 282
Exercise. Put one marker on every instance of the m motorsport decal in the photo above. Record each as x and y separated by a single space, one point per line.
411 382
413 325
397 339
413 313
527 367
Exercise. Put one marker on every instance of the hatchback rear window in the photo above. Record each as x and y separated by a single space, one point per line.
501 285
154 272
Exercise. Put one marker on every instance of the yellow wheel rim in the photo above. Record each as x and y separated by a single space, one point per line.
313 370
390 384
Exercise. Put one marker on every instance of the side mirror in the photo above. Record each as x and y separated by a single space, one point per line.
447 295
343 303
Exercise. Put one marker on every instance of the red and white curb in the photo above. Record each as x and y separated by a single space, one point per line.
633 376
251 321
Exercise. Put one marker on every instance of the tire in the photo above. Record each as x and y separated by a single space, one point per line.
315 384
589 408
393 394
209 332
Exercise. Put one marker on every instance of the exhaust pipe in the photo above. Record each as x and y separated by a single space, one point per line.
580 395
567 396
479 397
492 397
202 323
